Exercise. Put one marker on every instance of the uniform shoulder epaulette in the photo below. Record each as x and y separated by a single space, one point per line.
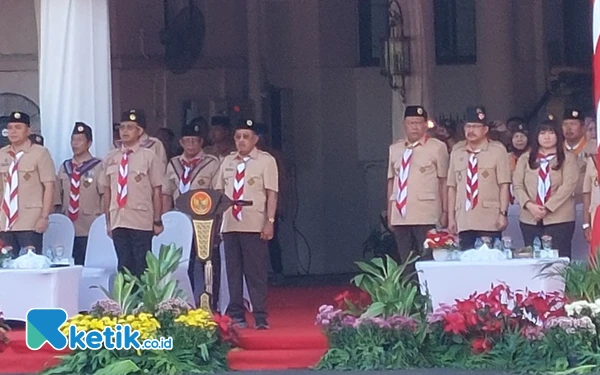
5 148
210 156
498 145
458 145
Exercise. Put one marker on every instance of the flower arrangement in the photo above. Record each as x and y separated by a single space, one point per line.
151 304
498 330
6 254
441 239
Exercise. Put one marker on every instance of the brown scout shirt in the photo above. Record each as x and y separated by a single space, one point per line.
260 176
563 181
90 193
582 152
153 144
590 186
145 173
203 176
493 170
35 168
429 163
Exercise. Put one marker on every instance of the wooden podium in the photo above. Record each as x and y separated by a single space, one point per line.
205 208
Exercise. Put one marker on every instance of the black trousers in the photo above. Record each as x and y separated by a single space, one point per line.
275 251
20 239
467 238
131 246
246 255
411 238
79 247
562 235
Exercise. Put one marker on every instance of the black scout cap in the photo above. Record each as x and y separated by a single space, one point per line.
476 115
82 128
135 115
20 117
573 114
247 124
415 111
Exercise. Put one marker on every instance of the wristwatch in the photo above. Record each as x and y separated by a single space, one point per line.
158 223
503 213
585 226
271 220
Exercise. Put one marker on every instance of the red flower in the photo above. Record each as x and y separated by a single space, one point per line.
341 298
481 345
224 323
455 323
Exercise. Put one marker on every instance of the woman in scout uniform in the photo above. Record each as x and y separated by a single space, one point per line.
416 189
248 174
544 182
28 179
478 183
519 145
132 181
79 196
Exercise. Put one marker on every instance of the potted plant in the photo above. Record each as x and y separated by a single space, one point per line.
441 243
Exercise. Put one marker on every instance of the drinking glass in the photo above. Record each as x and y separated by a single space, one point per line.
49 253
60 251
478 243
546 242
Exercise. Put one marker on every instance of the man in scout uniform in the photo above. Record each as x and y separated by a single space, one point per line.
478 184
28 182
192 170
220 137
151 143
416 189
251 175
132 182
79 196
575 143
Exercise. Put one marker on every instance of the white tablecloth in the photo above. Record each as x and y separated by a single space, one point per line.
22 290
448 281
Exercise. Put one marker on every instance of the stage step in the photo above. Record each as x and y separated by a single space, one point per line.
256 360
283 339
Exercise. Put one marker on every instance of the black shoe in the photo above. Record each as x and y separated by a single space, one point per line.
261 324
240 323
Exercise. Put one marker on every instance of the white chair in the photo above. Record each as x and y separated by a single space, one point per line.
178 230
60 233
100 265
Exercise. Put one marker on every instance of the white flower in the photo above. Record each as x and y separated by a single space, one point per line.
569 310
4 251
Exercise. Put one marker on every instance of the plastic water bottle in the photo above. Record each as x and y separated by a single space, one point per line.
537 248
478 243
498 244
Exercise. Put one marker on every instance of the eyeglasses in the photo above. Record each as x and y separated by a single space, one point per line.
128 127
474 126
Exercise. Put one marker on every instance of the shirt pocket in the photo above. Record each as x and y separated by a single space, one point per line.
228 176
255 181
426 196
204 181
137 176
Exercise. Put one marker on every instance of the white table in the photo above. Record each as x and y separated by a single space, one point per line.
22 289
448 281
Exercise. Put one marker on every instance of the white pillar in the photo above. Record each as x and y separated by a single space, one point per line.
75 73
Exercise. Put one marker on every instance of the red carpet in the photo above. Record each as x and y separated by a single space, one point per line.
293 342
18 359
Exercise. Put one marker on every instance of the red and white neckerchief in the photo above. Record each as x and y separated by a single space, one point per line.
544 184
73 211
472 186
10 204
186 178
122 179
403 172
238 187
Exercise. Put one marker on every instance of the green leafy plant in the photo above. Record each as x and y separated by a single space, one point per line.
123 292
392 289
155 283
582 281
